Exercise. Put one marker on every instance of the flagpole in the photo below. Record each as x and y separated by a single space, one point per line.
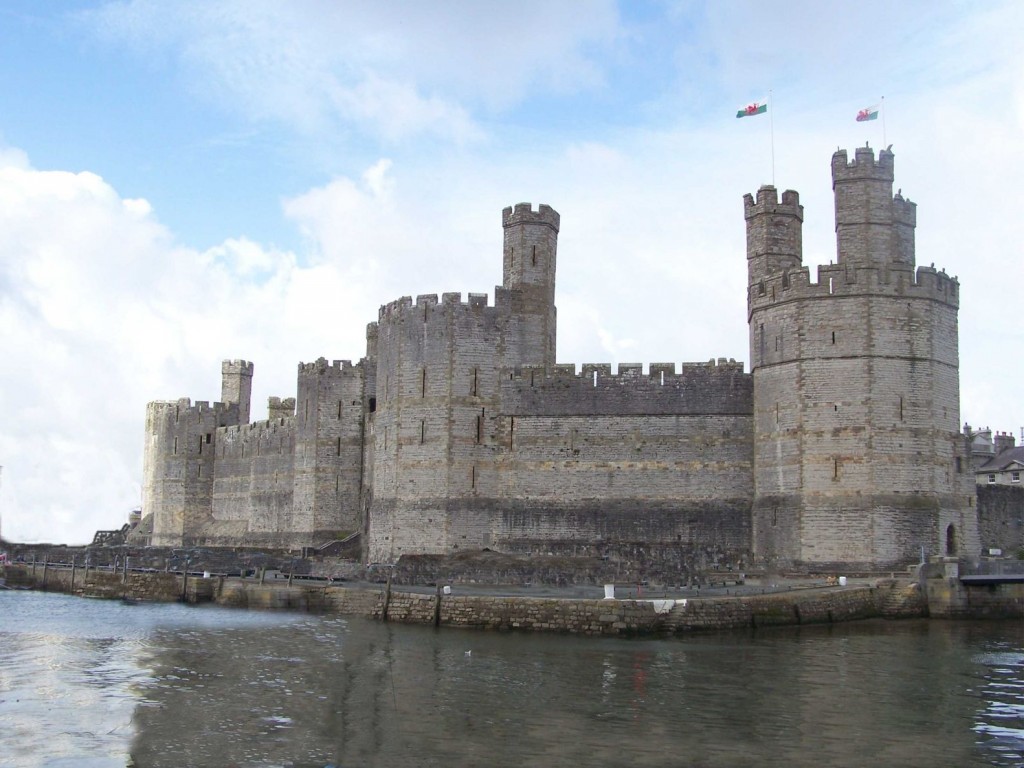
771 122
882 110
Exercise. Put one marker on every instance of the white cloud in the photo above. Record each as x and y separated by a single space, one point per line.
382 67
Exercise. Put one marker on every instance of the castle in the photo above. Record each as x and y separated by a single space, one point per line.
459 431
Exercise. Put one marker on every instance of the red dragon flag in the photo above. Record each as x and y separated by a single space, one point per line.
753 108
868 113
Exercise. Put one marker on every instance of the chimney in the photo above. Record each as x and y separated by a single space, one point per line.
1004 442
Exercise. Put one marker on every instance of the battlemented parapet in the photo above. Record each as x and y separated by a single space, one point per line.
700 388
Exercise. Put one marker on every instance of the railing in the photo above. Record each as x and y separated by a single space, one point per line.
992 568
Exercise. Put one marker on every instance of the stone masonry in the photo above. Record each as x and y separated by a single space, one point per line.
459 431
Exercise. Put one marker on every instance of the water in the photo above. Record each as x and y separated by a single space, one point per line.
97 683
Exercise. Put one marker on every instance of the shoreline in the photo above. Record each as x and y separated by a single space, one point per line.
484 607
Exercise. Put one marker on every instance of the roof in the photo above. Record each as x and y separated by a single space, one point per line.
1003 460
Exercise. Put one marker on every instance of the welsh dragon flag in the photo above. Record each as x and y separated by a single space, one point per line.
868 113
754 108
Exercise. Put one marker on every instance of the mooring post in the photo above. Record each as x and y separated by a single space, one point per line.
72 587
387 599
263 574
437 607
44 571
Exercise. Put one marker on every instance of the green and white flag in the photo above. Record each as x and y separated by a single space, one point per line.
868 113
754 108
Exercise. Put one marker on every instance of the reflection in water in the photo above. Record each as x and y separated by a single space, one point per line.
208 687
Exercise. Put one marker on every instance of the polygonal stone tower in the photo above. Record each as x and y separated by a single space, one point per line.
528 269
856 384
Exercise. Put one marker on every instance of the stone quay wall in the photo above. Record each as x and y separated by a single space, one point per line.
888 598
633 617
950 599
115 585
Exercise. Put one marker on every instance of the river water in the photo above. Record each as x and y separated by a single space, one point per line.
103 683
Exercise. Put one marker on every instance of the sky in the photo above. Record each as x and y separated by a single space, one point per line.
188 181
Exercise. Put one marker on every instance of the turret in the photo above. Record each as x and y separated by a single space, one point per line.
774 232
872 228
236 386
278 408
528 271
856 399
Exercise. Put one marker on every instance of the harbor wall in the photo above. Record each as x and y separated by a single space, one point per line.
887 598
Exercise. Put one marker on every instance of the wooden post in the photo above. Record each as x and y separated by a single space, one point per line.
263 574
387 598
437 607
184 584
44 571
71 589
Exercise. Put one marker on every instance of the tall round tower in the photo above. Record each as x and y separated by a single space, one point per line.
528 270
856 384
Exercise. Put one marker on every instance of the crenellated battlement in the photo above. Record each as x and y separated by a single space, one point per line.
185 410
864 166
698 389
593 374
523 213
259 429
243 367
278 408
428 301
903 210
768 202
840 280
335 368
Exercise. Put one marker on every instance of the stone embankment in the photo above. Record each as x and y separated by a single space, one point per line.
806 604
111 584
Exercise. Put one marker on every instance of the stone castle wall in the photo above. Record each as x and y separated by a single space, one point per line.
459 431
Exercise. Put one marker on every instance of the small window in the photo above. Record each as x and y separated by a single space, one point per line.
1015 477
992 478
